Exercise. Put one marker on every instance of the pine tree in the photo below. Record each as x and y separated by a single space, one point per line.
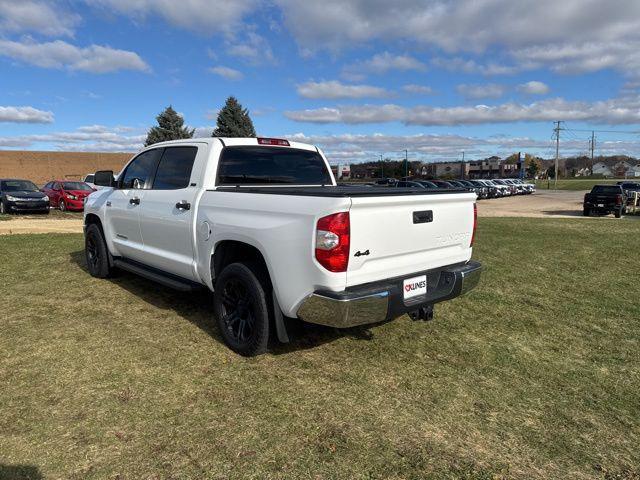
234 121
170 127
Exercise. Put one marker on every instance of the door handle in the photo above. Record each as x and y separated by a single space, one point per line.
183 205
134 201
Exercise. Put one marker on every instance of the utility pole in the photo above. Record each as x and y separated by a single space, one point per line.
382 163
462 167
406 164
593 147
557 133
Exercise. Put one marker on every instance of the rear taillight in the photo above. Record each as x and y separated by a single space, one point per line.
332 242
475 224
618 199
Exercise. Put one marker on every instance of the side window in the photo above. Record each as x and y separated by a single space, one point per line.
139 173
89 179
57 186
47 186
174 169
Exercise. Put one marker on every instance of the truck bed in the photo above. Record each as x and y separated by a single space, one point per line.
341 191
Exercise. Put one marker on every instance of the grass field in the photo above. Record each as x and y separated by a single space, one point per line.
535 374
576 183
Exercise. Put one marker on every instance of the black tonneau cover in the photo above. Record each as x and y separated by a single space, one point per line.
341 191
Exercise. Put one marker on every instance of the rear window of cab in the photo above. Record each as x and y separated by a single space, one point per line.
258 165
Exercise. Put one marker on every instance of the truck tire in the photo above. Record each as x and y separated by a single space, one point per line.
586 212
618 212
96 253
241 307
3 207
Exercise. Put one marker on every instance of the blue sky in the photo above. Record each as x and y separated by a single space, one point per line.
358 77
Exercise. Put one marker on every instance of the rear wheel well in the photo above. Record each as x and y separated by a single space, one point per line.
231 251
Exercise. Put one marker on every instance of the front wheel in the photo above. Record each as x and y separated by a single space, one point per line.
3 208
241 307
62 206
96 253
618 212
586 212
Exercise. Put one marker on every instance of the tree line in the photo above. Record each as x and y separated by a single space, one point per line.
233 121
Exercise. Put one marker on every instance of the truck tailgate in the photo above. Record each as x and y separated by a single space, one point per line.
400 235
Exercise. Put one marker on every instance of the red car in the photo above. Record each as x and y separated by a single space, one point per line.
67 195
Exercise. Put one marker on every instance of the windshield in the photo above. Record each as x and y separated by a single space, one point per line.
249 165
631 186
76 186
18 186
607 190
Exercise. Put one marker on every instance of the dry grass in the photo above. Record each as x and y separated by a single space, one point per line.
534 375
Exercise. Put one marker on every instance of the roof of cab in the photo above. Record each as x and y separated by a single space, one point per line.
234 141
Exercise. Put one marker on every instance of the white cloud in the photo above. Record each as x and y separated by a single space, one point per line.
459 64
614 111
60 54
44 18
579 36
203 16
226 72
576 58
91 138
385 62
534 88
425 147
254 50
334 90
487 90
418 89
24 115
471 25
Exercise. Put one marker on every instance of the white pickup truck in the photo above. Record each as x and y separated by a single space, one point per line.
262 223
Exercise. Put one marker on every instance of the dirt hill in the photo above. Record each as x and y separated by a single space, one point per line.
40 167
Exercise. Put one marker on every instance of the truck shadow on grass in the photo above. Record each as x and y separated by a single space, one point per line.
19 472
197 308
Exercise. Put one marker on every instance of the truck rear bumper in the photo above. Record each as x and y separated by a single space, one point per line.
380 301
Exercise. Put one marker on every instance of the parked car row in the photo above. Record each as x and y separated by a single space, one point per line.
24 196
483 188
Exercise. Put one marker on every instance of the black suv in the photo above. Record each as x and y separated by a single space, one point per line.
21 196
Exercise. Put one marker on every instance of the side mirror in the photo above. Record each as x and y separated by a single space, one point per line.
104 178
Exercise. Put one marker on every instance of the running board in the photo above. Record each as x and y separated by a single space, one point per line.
158 276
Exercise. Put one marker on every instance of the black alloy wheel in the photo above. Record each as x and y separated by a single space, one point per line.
241 305
96 253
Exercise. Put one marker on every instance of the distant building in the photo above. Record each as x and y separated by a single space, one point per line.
341 171
493 167
601 168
